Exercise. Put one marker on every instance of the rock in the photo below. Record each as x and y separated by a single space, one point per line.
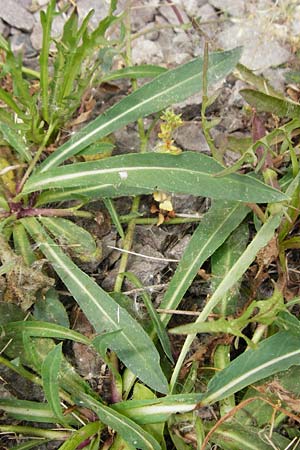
20 43
168 12
146 52
143 12
190 137
233 7
16 15
260 49
192 7
101 8
36 36
177 250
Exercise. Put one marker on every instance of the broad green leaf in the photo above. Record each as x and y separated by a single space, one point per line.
142 71
128 430
31 411
45 329
81 435
272 355
15 141
267 103
220 221
50 377
79 241
51 309
188 173
166 89
132 344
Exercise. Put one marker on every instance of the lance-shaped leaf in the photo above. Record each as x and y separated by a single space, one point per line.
278 106
168 88
50 376
128 429
273 355
221 220
132 345
188 173
31 411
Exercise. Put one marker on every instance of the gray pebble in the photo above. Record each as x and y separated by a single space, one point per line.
12 12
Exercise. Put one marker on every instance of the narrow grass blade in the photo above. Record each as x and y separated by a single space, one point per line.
46 21
50 377
81 435
188 173
132 344
220 221
166 89
155 319
273 355
114 216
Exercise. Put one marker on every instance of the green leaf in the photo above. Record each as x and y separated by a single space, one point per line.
221 262
168 88
188 173
235 436
261 239
129 430
135 72
44 329
114 216
79 241
15 141
50 377
31 411
46 22
267 103
220 221
272 355
155 319
22 244
51 309
81 435
98 147
132 344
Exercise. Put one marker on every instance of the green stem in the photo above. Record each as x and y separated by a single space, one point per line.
153 221
128 240
222 360
39 432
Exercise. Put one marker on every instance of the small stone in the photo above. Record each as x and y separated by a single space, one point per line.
16 15
192 7
101 8
191 137
20 43
235 8
260 49
146 52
